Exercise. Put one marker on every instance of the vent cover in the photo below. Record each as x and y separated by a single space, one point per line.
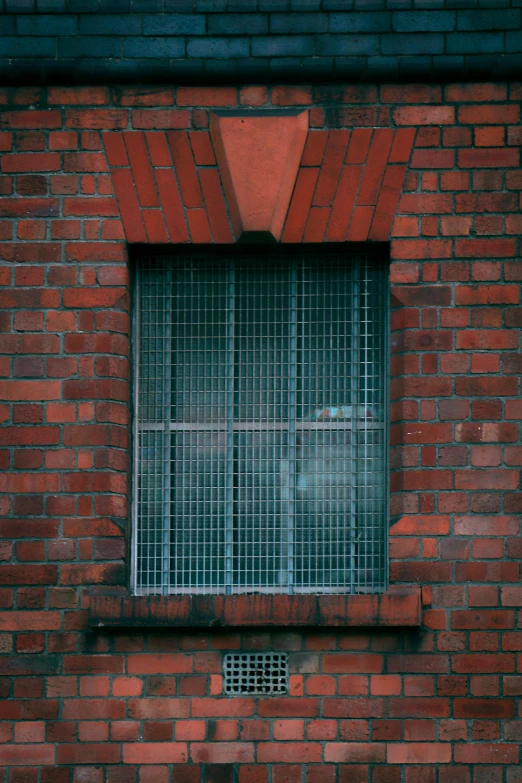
255 673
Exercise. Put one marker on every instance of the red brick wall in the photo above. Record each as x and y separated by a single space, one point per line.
437 705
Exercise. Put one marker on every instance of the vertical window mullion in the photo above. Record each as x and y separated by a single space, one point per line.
355 382
292 414
366 480
229 479
167 478
136 564
166 445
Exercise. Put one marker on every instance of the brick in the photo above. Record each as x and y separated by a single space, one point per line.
486 202
486 479
482 115
11 755
354 752
343 204
208 707
300 205
86 207
485 248
99 119
375 165
159 664
78 754
418 708
482 92
24 207
418 663
419 752
253 96
331 168
421 525
301 752
487 754
485 456
156 119
346 662
314 148
385 685
433 159
215 203
359 145
31 119
424 115
454 180
206 96
481 387
45 161
490 136
491 157
487 432
484 663
483 339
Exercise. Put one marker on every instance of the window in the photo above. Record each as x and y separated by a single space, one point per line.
260 423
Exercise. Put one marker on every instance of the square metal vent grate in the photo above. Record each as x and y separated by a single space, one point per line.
255 673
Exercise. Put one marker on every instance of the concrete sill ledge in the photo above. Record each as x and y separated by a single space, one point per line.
398 607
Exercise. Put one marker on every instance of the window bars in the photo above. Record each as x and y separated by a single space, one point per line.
260 424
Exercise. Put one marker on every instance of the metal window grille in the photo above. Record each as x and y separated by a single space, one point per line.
255 673
260 424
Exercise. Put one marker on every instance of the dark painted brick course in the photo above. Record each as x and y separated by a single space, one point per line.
28 47
360 22
347 44
173 24
475 43
283 46
153 47
51 6
20 6
7 25
514 41
363 40
95 46
487 20
420 22
110 24
47 25
298 23
220 48
238 24
418 43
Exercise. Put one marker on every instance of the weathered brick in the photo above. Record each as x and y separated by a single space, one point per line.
65 413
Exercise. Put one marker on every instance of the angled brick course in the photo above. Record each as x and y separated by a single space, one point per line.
340 201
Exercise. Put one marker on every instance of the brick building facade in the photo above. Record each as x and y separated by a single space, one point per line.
105 145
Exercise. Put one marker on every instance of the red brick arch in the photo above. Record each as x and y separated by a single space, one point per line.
169 187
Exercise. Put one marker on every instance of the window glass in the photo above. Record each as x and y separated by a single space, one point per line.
260 424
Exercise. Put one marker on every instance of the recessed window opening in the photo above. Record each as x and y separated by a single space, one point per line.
260 423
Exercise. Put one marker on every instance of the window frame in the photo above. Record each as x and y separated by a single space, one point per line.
378 252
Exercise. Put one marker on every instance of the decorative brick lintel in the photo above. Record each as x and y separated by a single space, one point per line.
399 607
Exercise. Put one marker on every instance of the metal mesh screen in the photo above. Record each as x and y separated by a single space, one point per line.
255 673
261 438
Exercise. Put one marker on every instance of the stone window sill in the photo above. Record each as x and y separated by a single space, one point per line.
398 607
